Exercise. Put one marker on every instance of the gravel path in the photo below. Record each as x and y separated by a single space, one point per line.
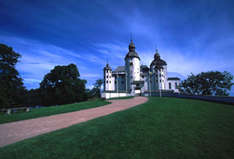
20 130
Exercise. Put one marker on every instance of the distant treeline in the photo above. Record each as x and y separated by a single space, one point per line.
62 85
211 83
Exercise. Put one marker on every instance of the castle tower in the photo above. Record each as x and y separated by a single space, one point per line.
132 68
159 69
108 79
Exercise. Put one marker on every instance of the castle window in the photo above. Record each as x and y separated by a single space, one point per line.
176 86
169 85
106 81
107 76
110 82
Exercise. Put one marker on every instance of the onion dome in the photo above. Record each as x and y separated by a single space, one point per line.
157 62
131 46
132 53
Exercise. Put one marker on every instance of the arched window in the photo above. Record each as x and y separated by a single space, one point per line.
169 85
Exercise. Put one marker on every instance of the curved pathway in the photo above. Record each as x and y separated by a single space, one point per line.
17 131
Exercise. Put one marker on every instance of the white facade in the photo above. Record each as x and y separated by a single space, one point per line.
163 77
145 86
136 69
108 95
109 84
132 65
173 84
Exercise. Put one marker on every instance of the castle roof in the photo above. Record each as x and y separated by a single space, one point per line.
173 78
157 60
144 68
120 69
132 52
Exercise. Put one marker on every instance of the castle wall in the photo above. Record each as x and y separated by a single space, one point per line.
136 69
127 73
132 69
145 78
163 78
108 95
174 85
120 83
109 81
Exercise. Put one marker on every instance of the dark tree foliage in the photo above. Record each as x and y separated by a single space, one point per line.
62 86
12 91
34 97
208 83
96 91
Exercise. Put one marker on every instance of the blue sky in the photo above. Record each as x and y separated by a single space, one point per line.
192 36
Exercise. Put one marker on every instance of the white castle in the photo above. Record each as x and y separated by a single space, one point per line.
136 79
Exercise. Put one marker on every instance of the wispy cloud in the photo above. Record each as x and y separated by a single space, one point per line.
91 75
38 59
31 80
112 49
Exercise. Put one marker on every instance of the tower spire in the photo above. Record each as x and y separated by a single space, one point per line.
131 45
156 48
131 37
107 63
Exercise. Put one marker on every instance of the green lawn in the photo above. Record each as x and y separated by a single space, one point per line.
117 98
46 111
161 128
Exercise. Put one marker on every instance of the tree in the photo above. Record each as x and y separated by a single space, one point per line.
62 85
12 90
97 86
34 97
207 83
96 90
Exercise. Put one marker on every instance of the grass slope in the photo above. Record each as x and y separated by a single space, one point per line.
46 111
161 128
